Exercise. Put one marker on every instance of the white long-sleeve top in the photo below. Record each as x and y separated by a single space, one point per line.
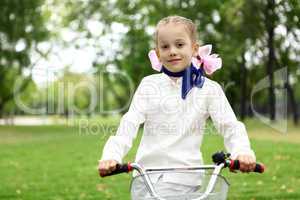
174 127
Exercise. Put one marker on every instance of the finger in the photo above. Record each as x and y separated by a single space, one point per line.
107 167
253 164
244 165
102 173
101 169
112 165
249 164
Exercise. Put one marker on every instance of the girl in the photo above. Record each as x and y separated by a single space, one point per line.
174 105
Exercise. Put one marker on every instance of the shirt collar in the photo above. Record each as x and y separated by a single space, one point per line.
174 82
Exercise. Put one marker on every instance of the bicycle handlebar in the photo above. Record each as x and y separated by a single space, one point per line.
218 158
232 164
235 165
120 168
221 157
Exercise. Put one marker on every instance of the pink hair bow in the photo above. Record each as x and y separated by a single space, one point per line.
209 62
155 63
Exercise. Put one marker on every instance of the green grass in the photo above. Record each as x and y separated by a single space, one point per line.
57 162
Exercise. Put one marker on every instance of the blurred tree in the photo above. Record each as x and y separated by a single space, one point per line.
86 94
27 99
69 94
242 32
115 90
138 19
236 31
22 27
289 51
281 19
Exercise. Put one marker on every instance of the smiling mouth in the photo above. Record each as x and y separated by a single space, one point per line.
174 60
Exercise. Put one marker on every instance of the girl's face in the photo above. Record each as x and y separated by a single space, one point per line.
174 47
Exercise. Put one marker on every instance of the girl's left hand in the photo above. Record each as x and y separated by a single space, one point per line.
247 163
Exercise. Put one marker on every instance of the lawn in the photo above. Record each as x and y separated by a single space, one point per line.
59 162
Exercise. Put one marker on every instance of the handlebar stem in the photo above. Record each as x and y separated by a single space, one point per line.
146 179
149 185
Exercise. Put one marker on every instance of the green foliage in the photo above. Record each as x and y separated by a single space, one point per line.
22 27
68 94
234 27
86 94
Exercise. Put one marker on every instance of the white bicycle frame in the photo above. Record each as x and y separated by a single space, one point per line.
211 184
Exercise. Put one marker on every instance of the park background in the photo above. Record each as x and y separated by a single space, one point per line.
69 68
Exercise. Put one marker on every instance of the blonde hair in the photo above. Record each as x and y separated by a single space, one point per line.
190 25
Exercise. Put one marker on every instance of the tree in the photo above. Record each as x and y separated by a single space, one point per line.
244 34
238 35
22 27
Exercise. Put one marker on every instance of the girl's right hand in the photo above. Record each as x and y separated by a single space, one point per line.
106 166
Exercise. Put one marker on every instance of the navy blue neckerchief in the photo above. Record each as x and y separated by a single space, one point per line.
191 77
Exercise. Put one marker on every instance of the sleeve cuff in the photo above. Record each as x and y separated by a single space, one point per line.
235 154
119 160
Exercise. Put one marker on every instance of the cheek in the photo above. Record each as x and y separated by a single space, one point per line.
189 54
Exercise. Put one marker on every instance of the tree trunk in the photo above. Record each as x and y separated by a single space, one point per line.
292 99
289 88
293 102
271 57
1 110
243 99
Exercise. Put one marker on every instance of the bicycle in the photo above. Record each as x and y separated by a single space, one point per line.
216 185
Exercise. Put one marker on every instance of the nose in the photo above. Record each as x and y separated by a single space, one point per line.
173 51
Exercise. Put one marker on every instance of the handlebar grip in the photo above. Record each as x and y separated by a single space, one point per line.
120 168
235 165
